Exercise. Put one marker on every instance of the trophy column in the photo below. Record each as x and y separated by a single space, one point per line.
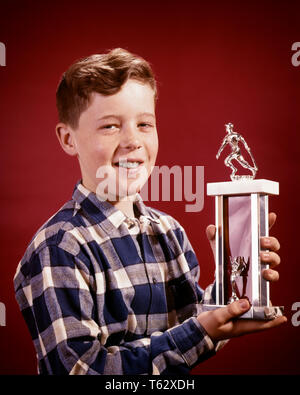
241 209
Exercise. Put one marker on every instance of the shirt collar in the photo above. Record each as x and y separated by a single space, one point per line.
105 214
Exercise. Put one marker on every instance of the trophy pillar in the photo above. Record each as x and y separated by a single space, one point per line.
241 211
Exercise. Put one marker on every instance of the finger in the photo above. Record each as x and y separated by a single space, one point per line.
270 243
270 257
270 275
272 219
243 327
233 310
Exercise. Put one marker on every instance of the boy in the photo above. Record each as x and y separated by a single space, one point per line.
108 285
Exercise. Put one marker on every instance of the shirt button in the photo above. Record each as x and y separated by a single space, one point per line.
154 280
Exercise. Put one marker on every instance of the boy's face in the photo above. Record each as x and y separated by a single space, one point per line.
115 129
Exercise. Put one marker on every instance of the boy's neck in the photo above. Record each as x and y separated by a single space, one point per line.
126 206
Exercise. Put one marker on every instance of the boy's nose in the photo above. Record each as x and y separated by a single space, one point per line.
130 139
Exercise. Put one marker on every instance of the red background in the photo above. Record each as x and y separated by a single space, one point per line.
216 62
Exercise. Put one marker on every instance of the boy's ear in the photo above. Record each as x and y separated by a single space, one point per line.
65 135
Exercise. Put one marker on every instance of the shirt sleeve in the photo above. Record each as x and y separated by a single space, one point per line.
205 296
58 298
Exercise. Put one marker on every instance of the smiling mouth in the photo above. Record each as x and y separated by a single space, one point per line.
128 164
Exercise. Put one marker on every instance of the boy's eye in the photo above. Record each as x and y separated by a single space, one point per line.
145 125
110 127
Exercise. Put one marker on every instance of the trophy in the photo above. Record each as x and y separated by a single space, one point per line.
241 215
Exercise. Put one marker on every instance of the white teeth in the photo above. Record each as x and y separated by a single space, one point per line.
129 165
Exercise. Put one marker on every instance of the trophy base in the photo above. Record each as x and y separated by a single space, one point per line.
262 313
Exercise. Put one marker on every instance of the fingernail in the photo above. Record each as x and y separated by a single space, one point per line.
267 241
243 304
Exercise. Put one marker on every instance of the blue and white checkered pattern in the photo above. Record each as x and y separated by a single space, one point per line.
104 294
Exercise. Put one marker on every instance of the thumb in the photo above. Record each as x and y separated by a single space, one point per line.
232 310
211 232
211 236
272 219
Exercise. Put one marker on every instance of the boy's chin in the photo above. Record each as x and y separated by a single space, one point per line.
122 195
129 194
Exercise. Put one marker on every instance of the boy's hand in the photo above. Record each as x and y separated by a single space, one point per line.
269 257
220 324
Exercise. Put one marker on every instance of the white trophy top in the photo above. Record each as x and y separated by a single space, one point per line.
242 187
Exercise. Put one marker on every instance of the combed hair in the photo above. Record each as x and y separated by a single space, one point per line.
100 73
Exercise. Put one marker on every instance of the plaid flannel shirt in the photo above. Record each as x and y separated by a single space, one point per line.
104 294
